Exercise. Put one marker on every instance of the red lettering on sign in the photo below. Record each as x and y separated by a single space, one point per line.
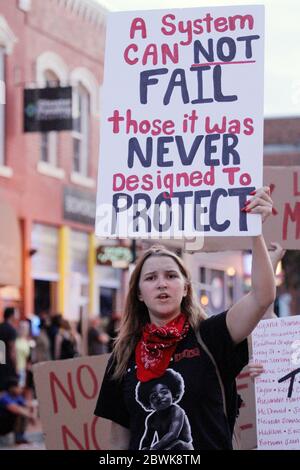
66 432
80 382
294 215
93 432
272 187
68 393
88 436
296 186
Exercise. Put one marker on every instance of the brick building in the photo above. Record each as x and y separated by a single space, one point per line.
282 142
48 180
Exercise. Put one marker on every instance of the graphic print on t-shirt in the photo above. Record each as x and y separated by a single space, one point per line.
167 426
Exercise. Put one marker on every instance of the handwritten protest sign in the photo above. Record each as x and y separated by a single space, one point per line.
67 392
276 344
182 122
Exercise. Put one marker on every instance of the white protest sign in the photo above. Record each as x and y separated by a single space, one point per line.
276 344
182 124
67 392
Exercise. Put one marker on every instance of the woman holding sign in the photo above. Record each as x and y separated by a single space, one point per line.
165 332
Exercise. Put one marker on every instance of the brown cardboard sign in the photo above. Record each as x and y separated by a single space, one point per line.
247 415
67 392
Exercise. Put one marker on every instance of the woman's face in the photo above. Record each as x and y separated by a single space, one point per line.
160 397
161 288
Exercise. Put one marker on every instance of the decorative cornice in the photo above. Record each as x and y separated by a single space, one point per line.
50 60
89 10
7 37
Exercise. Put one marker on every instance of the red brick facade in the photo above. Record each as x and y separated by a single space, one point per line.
74 32
282 141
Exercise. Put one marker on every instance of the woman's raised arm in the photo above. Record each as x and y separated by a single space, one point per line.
243 316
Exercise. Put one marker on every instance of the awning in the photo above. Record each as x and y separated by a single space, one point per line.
10 246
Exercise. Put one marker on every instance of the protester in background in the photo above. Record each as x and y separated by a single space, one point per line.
42 343
97 339
15 411
52 330
65 342
23 349
164 328
112 329
8 335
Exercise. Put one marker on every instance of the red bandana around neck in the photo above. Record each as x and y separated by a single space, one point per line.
157 345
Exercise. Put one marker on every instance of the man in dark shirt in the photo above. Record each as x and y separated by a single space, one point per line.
8 335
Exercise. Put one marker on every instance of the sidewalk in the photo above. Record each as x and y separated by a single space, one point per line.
34 434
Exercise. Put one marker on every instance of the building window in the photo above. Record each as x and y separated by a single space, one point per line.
79 248
212 290
49 140
49 143
44 262
81 126
2 106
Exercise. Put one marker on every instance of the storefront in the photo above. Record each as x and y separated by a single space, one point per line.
77 255
112 275
217 278
78 298
44 267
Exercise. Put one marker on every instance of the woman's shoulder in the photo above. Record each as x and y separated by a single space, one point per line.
214 332
213 322
229 356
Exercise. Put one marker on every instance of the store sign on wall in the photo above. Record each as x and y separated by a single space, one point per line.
79 206
48 109
115 256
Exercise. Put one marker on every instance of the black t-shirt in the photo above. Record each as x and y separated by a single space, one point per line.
183 409
8 334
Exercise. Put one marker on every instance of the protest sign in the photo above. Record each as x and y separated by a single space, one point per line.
284 183
283 226
182 122
67 392
247 417
276 344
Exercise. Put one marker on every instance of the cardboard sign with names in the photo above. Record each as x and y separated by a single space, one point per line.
67 392
276 344
182 123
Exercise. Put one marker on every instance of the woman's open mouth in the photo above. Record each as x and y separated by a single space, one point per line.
163 296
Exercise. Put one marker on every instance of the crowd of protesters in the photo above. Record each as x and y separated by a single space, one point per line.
55 339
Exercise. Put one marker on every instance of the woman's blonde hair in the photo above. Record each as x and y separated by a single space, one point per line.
136 313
